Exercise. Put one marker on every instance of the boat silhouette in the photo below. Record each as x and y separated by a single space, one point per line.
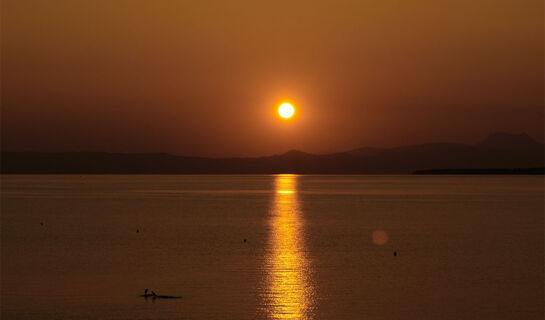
153 295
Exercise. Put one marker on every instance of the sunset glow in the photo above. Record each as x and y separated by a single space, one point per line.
272 160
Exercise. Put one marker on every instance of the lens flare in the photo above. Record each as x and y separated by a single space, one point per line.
380 237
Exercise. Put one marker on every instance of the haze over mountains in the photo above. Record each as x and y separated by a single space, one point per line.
499 150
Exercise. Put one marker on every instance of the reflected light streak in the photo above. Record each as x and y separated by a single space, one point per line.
289 292
285 191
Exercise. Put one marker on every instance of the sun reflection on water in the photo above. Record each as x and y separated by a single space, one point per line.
289 292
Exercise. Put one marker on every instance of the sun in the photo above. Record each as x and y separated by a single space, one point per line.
286 110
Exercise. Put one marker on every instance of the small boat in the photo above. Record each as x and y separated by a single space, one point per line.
153 295
168 297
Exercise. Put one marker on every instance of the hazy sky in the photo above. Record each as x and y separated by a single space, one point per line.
203 77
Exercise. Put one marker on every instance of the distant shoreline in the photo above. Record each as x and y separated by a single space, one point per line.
510 154
519 171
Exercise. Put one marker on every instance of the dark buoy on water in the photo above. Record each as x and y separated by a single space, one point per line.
244 240
137 230
395 253
41 223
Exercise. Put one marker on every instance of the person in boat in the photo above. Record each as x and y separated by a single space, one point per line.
153 294
146 292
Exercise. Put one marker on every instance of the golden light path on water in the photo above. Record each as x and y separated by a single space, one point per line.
289 291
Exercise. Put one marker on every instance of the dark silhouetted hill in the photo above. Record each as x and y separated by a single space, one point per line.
513 142
498 151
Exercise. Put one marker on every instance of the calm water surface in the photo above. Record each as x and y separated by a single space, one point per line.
85 247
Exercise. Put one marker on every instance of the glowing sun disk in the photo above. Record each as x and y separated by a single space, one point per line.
286 110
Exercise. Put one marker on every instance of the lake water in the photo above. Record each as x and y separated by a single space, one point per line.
317 247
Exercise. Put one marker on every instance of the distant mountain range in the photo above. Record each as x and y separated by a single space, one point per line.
497 151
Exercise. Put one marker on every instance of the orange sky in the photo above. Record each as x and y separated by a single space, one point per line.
202 77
